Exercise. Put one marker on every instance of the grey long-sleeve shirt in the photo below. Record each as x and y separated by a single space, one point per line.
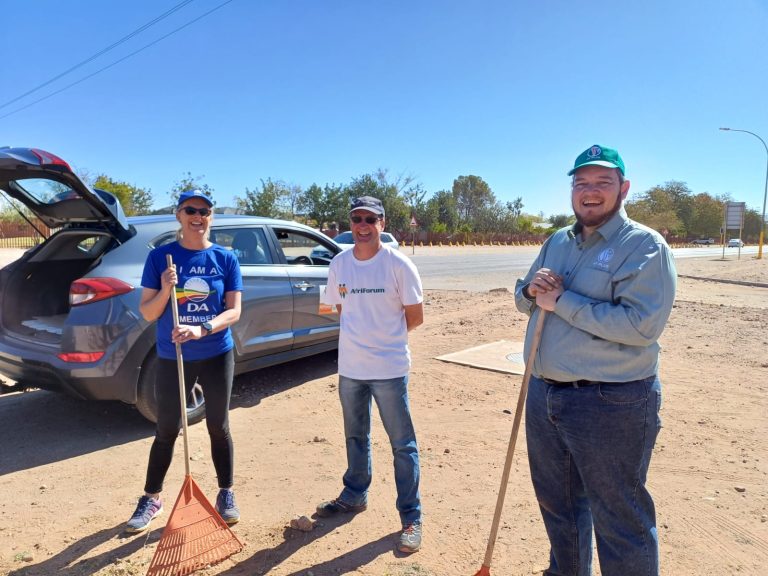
619 290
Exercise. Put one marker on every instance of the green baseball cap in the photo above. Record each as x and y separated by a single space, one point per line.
599 156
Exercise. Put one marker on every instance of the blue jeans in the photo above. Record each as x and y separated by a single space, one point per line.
392 400
589 449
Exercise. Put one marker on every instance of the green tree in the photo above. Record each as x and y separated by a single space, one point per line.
751 225
473 197
707 216
365 185
509 215
12 212
324 206
663 220
291 196
377 185
682 199
133 199
413 197
561 220
441 211
487 220
267 202
189 182
664 208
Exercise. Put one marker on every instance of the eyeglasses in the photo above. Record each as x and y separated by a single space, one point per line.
190 211
368 219
604 186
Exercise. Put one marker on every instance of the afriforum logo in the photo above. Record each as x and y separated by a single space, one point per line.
603 259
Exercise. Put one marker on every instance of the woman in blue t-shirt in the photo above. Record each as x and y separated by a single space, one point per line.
207 284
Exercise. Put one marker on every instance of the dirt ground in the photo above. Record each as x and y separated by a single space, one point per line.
71 471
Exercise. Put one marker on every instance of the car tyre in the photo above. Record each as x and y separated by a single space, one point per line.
146 401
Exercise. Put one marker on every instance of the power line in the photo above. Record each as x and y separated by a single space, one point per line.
99 71
101 52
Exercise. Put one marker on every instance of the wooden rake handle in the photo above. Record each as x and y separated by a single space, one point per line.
180 367
512 441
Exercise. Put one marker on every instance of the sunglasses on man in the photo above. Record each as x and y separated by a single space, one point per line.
368 219
190 211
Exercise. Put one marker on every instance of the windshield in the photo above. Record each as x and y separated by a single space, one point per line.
344 238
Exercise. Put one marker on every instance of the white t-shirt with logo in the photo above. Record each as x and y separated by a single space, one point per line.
373 343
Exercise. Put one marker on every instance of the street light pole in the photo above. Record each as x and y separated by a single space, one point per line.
765 194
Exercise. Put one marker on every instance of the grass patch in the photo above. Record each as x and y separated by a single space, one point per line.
414 569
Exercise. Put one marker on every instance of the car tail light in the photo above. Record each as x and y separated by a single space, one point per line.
81 357
87 290
48 158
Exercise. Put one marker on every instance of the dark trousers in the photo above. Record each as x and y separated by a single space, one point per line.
214 375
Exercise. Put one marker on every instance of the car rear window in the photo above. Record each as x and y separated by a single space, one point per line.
45 191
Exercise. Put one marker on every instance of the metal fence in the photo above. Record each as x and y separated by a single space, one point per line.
15 234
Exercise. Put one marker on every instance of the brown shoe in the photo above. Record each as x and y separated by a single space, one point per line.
335 507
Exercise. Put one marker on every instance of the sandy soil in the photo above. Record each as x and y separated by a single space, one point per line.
71 471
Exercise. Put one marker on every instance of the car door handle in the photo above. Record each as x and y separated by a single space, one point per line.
304 286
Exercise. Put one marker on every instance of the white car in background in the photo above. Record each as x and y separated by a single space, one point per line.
346 241
735 243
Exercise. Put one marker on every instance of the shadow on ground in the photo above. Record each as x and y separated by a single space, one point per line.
251 388
263 561
68 562
39 427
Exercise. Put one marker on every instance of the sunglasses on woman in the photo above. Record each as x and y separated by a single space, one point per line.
368 219
190 211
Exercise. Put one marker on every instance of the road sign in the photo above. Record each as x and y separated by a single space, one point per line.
734 215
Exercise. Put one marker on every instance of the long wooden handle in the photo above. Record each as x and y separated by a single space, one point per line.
513 438
180 367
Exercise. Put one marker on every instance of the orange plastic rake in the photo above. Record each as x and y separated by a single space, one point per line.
485 569
195 536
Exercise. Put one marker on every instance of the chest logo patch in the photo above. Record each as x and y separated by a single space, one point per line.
603 259
343 291
194 290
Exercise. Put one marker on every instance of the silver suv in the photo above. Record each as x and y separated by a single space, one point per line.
69 308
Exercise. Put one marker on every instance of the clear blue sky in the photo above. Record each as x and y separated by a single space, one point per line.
327 90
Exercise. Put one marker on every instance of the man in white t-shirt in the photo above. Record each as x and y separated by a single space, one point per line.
377 292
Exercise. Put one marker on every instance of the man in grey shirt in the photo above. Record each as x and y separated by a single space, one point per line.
592 413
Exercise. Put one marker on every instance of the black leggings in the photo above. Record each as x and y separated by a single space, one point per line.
215 377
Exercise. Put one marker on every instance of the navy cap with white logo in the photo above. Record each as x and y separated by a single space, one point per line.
189 194
367 203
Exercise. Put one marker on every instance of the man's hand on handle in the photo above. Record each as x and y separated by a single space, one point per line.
546 287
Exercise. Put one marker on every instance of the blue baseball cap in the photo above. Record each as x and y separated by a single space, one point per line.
189 194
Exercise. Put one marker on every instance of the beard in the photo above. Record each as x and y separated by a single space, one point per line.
596 220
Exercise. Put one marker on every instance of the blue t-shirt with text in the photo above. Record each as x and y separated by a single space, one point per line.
204 277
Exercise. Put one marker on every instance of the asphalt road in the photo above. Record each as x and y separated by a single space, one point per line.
479 269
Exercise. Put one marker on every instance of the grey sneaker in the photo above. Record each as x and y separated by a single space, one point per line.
226 507
410 538
146 510
335 507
